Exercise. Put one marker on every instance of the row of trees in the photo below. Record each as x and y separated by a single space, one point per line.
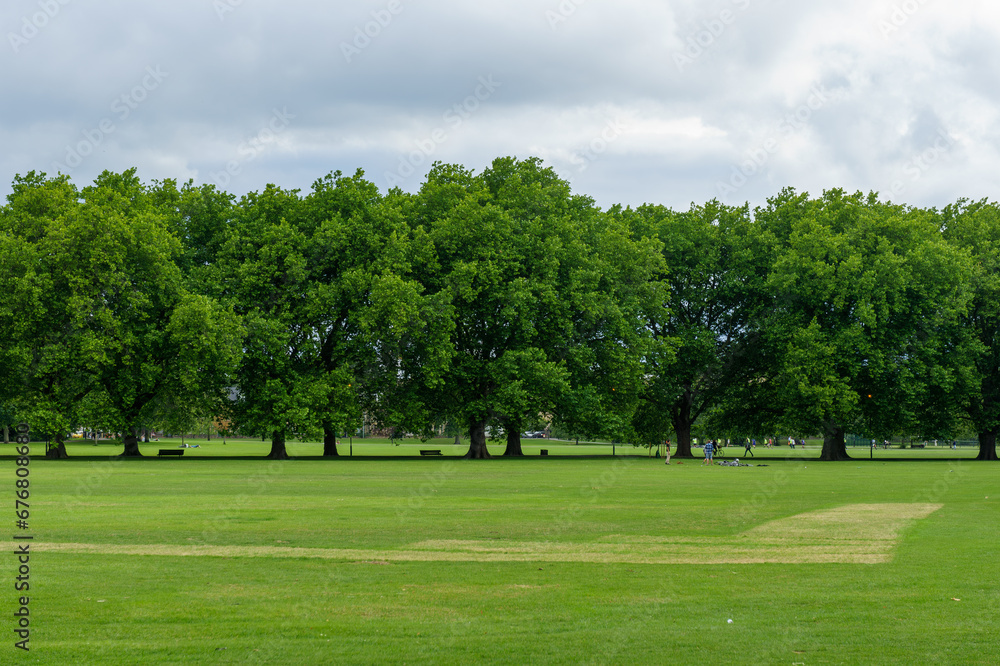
487 300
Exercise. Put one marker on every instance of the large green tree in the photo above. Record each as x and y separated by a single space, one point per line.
612 293
531 274
859 288
323 283
486 269
48 400
708 327
974 227
114 331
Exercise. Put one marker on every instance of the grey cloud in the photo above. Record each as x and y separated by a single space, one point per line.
565 67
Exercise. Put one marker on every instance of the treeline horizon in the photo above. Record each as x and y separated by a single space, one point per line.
496 300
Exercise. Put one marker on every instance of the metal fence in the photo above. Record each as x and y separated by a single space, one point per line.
909 442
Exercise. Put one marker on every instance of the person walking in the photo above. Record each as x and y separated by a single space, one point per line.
668 453
748 448
708 453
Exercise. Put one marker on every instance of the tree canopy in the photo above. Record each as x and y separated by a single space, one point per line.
490 301
108 329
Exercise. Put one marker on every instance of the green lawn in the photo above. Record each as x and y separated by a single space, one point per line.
429 560
217 447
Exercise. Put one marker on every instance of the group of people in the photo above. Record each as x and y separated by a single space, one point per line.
749 444
711 446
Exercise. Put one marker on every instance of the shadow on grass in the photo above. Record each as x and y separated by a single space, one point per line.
971 456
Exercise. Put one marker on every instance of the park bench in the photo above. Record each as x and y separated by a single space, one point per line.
171 452
430 452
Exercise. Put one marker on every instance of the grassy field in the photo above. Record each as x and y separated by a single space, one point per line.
410 447
535 560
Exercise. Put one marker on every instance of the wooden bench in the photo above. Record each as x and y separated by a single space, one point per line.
171 452
430 452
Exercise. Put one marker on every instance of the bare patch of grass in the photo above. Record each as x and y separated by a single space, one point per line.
853 534
866 522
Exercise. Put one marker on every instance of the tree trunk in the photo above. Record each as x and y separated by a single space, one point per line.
683 430
131 442
988 445
834 446
278 451
457 440
58 451
329 440
682 422
513 442
477 441
6 435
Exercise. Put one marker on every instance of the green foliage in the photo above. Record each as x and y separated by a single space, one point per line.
862 290
973 345
494 301
323 283
707 321
105 327
539 284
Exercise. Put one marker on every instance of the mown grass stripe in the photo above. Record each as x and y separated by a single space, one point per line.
862 534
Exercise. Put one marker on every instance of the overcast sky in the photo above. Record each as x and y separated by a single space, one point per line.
632 101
